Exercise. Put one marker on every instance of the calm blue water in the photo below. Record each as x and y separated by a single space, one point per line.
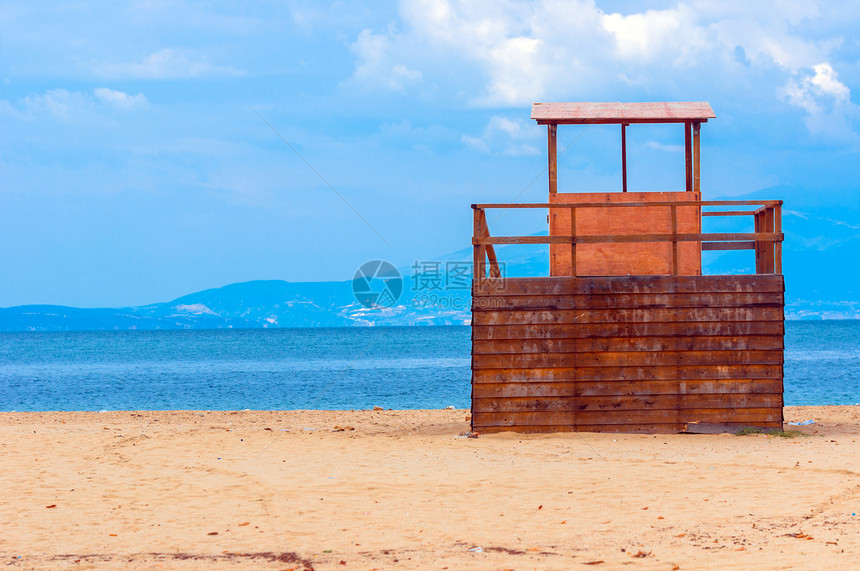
280 369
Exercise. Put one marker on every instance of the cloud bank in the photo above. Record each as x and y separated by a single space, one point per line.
509 54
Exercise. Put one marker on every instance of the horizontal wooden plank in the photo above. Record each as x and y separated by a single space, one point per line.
658 372
710 343
537 316
746 415
629 301
711 246
520 205
594 285
626 359
729 213
562 389
661 428
625 402
584 112
632 238
589 331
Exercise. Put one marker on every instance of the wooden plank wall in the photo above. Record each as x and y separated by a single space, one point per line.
622 259
627 354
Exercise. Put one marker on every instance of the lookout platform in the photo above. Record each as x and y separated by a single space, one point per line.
626 334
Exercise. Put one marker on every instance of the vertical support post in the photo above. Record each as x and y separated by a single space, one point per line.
624 157
770 247
478 269
552 153
696 164
765 252
688 157
674 240
573 241
777 246
758 217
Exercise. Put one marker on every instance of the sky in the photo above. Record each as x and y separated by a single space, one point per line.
153 148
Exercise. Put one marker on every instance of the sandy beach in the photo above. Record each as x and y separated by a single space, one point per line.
403 490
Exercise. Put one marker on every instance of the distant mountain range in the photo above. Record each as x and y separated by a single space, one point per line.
255 304
820 262
821 252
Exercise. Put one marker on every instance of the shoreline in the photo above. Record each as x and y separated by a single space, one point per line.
402 489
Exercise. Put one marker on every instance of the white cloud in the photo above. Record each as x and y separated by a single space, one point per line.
826 100
812 91
825 81
491 53
70 106
166 64
515 66
476 144
507 137
120 99
59 103
9 110
655 33
375 67
512 47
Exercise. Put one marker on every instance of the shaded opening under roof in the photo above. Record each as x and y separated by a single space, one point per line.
690 114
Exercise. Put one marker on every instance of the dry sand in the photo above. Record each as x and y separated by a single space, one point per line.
283 490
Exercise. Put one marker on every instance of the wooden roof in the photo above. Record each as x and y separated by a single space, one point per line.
579 113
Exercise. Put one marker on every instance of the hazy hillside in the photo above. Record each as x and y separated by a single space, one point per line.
820 261
820 252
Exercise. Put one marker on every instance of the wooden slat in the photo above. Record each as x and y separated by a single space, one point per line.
758 222
616 374
769 226
568 113
626 359
710 343
508 205
502 240
674 210
697 165
636 284
603 388
586 331
614 403
573 244
777 247
748 245
552 156
628 301
653 428
688 157
625 315
623 157
729 213
764 256
751 415
764 237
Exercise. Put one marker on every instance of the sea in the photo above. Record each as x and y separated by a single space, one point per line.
337 368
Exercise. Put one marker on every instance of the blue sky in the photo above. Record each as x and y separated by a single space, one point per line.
135 166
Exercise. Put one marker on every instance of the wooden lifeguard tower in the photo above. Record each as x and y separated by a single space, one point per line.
626 334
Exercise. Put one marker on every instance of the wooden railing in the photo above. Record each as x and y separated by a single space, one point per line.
766 240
